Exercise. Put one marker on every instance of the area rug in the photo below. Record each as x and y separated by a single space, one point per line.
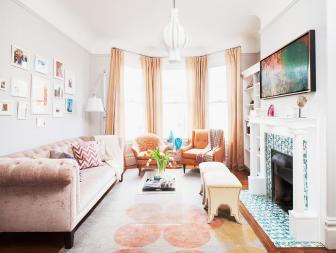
126 222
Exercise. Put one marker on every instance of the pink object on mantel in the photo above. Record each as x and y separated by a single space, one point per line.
271 112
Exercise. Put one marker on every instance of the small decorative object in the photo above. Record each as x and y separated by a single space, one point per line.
41 65
69 82
41 123
171 137
6 108
19 88
22 110
40 97
69 104
20 57
58 69
301 102
58 108
3 84
162 160
178 143
58 89
271 111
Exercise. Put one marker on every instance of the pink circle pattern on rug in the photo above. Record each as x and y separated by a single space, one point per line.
145 213
187 236
189 251
129 251
137 235
181 213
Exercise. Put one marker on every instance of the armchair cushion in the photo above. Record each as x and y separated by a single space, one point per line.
192 153
148 142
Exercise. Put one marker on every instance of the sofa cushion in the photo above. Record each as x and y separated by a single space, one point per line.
93 180
192 153
87 154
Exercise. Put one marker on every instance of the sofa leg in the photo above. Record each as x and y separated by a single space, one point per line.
69 239
184 168
122 177
139 171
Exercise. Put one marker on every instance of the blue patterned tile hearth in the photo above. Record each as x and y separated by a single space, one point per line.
273 220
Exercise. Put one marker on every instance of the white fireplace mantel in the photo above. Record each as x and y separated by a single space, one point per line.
304 221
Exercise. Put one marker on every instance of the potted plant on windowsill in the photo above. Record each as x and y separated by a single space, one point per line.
162 161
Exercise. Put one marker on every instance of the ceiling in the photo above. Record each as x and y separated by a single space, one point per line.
137 25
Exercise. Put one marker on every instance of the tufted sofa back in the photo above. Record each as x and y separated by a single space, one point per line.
44 151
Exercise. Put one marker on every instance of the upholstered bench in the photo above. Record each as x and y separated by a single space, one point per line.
209 167
222 188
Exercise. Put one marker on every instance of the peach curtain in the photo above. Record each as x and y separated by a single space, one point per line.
235 149
152 72
115 95
198 77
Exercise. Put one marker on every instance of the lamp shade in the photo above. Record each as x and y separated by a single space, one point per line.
94 104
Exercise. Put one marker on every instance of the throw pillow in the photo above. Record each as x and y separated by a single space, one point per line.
87 154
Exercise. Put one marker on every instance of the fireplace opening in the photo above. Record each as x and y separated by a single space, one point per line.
282 180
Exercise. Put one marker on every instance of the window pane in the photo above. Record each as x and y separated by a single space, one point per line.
134 92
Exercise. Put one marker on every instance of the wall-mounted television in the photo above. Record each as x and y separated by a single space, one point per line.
290 70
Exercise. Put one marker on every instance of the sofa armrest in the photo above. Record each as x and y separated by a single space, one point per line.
219 154
37 172
186 148
136 150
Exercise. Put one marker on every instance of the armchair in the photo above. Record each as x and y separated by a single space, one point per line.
141 148
199 141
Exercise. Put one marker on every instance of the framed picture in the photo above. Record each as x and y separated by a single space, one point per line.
58 69
58 89
40 97
6 108
70 81
41 65
22 111
41 123
3 84
58 108
20 57
19 88
69 104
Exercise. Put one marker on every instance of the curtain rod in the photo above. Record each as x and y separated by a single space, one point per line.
214 52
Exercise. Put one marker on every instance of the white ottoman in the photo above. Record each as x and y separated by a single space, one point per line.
222 188
206 167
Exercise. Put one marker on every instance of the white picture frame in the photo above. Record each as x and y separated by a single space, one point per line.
58 108
69 103
70 82
20 57
6 107
3 84
41 65
22 110
19 88
58 89
58 69
40 95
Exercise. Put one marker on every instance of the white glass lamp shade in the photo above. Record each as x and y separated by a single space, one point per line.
94 104
175 37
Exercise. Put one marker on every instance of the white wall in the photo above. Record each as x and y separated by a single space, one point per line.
22 28
301 17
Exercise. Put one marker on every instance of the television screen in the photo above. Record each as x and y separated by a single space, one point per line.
290 70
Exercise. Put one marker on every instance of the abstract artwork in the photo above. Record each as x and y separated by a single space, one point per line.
291 69
58 108
41 65
6 108
69 104
22 110
19 88
58 69
58 89
70 81
40 97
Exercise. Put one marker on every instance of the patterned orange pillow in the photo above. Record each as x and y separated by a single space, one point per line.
87 154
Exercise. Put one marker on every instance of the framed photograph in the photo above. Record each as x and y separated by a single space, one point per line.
70 81
58 69
3 84
58 108
40 95
20 57
19 88
41 65
69 104
41 123
6 108
22 110
58 89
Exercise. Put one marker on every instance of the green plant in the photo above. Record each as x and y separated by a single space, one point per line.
162 159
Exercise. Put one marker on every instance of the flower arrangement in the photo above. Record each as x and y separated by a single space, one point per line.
162 160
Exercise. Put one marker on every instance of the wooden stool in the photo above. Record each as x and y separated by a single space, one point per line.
222 188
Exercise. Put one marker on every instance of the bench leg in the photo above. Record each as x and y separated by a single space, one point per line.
184 168
69 239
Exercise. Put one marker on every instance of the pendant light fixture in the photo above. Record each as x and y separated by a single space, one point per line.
175 37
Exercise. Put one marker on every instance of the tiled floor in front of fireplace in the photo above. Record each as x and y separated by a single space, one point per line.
273 220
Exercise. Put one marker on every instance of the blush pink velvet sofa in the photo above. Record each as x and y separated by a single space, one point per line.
38 194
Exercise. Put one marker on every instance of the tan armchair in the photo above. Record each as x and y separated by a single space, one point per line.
199 141
141 147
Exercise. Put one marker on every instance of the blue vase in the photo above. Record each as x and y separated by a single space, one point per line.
178 143
171 137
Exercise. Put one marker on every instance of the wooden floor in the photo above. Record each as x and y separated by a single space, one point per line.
53 242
